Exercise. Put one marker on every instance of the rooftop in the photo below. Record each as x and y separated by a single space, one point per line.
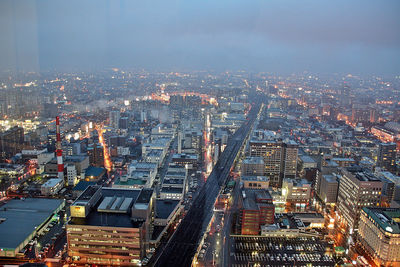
82 185
164 207
22 217
94 171
52 182
255 178
386 218
101 215
252 198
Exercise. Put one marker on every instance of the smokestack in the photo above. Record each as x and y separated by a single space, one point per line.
60 164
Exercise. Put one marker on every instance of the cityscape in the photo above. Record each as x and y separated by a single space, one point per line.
128 166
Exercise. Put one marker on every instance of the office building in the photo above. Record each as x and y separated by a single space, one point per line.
110 226
11 142
114 119
387 156
257 210
271 152
379 235
96 155
255 182
328 189
280 159
296 192
52 187
289 164
357 189
253 166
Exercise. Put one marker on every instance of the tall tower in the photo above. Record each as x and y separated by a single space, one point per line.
180 141
60 164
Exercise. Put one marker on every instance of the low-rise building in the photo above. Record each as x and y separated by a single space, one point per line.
22 219
52 187
255 182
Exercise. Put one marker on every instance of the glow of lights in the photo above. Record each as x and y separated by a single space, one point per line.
91 125
126 102
69 136
76 136
389 229
331 226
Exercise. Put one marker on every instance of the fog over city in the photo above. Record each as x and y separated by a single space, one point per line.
208 133
360 36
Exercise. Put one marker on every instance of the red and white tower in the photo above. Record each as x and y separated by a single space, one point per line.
60 164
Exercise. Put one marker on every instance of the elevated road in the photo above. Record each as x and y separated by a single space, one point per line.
180 249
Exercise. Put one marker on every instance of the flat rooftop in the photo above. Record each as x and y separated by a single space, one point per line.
110 219
164 207
255 178
251 197
22 217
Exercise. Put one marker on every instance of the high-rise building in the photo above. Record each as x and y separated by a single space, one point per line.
290 151
360 113
357 189
114 119
280 158
11 142
379 235
271 152
96 155
328 189
387 156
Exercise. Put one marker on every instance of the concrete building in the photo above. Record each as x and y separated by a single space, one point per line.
296 192
271 151
185 160
11 142
387 156
255 182
379 235
357 189
110 226
253 166
22 219
257 210
289 158
96 155
72 176
114 119
328 189
280 158
52 187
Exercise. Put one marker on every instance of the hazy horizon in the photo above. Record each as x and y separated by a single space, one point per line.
360 37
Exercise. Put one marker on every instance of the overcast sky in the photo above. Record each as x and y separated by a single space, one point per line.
283 36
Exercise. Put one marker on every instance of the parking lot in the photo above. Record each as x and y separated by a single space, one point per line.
270 251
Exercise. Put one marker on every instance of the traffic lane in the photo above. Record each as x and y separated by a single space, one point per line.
201 210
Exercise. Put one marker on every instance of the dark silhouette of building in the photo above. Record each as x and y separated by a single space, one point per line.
387 156
11 142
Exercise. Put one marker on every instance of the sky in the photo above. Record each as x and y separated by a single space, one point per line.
280 36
